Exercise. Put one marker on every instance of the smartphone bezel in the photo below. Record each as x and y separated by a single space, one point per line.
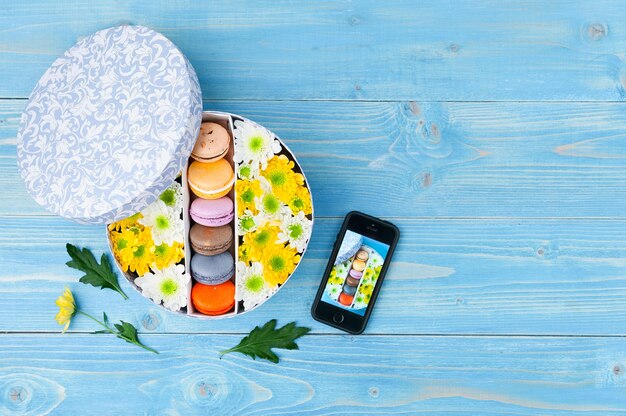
365 225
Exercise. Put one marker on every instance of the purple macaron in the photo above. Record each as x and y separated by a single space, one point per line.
356 274
212 212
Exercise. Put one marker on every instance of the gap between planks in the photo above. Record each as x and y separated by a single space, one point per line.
399 100
416 335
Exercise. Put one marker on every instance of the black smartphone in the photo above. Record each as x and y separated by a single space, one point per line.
355 272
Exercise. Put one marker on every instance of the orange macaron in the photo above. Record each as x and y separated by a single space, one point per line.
213 299
345 299
211 180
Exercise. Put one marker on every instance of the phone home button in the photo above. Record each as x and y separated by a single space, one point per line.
338 318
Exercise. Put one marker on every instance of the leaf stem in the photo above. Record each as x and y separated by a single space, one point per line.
116 333
121 292
111 331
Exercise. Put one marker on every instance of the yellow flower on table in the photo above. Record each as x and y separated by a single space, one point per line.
259 241
246 192
278 263
281 176
67 309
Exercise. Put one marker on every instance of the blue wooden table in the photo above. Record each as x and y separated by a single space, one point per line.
492 133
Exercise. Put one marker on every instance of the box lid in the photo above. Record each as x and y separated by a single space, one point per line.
109 125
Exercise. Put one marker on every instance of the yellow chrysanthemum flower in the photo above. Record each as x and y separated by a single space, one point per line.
366 290
165 256
260 240
280 174
244 253
333 278
67 309
246 192
301 201
278 263
134 249
125 223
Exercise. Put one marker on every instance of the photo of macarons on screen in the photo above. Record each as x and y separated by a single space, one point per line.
355 272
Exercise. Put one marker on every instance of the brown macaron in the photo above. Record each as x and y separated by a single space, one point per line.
210 241
212 144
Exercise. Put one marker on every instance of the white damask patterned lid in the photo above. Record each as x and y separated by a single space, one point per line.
109 125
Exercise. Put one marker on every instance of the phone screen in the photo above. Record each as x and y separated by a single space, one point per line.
355 272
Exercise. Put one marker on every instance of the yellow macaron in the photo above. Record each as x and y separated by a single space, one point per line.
358 265
211 180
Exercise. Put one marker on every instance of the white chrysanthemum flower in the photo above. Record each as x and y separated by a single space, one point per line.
296 230
270 208
164 222
248 223
248 171
168 286
254 144
251 286
173 197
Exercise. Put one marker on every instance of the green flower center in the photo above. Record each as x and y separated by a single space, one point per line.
247 196
169 287
140 251
162 222
245 171
254 283
277 263
271 204
122 244
262 237
297 203
169 197
247 223
295 231
277 178
256 144
161 250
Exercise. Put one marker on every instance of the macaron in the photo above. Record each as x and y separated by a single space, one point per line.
211 180
212 270
213 299
351 281
362 255
345 299
358 265
349 290
356 274
212 212
212 144
210 241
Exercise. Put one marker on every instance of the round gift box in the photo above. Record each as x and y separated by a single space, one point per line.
188 196
108 130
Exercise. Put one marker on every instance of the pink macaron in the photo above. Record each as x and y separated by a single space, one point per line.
212 212
356 274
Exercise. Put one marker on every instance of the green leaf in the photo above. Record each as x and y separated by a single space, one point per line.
98 275
128 333
261 340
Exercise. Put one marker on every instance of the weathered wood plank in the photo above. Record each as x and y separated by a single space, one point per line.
329 375
368 50
448 277
428 160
